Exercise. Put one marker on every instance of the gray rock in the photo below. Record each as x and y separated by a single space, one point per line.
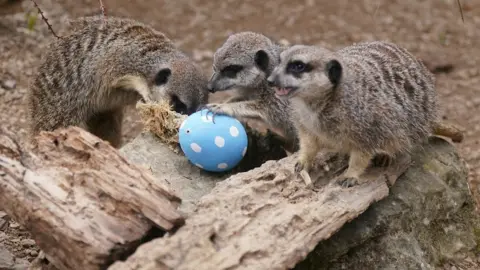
9 84
21 264
427 218
3 214
27 242
7 260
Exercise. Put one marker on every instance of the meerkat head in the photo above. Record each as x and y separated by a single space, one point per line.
177 80
306 71
244 61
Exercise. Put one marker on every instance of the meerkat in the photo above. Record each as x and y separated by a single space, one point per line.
366 99
98 67
242 64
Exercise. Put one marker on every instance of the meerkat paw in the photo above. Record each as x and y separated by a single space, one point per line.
216 108
347 182
302 165
382 160
302 169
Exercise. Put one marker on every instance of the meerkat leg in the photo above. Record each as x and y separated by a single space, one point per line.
107 126
309 147
244 109
357 165
235 99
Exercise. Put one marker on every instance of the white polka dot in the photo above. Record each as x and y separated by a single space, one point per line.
222 165
196 148
183 124
206 119
219 141
244 151
234 131
198 165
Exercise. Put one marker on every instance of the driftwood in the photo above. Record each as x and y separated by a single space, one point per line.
85 205
265 218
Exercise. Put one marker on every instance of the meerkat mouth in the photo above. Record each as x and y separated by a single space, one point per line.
284 91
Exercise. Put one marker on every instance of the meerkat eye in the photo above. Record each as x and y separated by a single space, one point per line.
296 67
162 76
231 71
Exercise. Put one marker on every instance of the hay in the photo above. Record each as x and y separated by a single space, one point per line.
160 119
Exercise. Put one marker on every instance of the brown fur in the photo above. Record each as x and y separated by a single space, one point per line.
98 67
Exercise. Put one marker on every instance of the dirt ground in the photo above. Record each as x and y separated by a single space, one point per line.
431 29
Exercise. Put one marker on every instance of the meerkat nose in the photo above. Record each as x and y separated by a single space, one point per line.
270 82
211 88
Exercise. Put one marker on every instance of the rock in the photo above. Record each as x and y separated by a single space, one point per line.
7 261
27 242
2 214
9 84
14 225
3 236
33 253
427 218
21 264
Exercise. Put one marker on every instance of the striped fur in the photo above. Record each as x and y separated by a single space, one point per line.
253 99
384 102
76 81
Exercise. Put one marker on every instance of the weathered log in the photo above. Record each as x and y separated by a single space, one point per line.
84 204
265 218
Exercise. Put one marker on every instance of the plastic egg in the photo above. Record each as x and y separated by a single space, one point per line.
215 147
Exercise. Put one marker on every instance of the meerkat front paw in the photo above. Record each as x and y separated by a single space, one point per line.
347 182
216 108
302 165
302 169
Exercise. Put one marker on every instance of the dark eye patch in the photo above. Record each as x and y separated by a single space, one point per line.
231 71
162 76
298 67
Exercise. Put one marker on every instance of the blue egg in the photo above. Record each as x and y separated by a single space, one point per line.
215 147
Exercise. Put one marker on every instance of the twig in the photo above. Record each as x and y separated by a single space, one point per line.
102 7
461 10
44 19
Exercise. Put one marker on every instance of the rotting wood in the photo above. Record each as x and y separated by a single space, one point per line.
265 218
83 202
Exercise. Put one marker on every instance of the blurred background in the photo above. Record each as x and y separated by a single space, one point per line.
431 29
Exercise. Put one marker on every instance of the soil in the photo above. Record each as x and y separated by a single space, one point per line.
431 29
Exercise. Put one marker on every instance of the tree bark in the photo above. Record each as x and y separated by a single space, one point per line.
83 203
265 218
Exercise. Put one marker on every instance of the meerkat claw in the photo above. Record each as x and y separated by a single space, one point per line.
214 109
299 167
347 182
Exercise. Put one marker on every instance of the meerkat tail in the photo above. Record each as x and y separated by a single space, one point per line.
448 130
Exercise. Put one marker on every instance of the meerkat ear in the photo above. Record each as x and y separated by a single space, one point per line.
133 83
262 60
334 70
